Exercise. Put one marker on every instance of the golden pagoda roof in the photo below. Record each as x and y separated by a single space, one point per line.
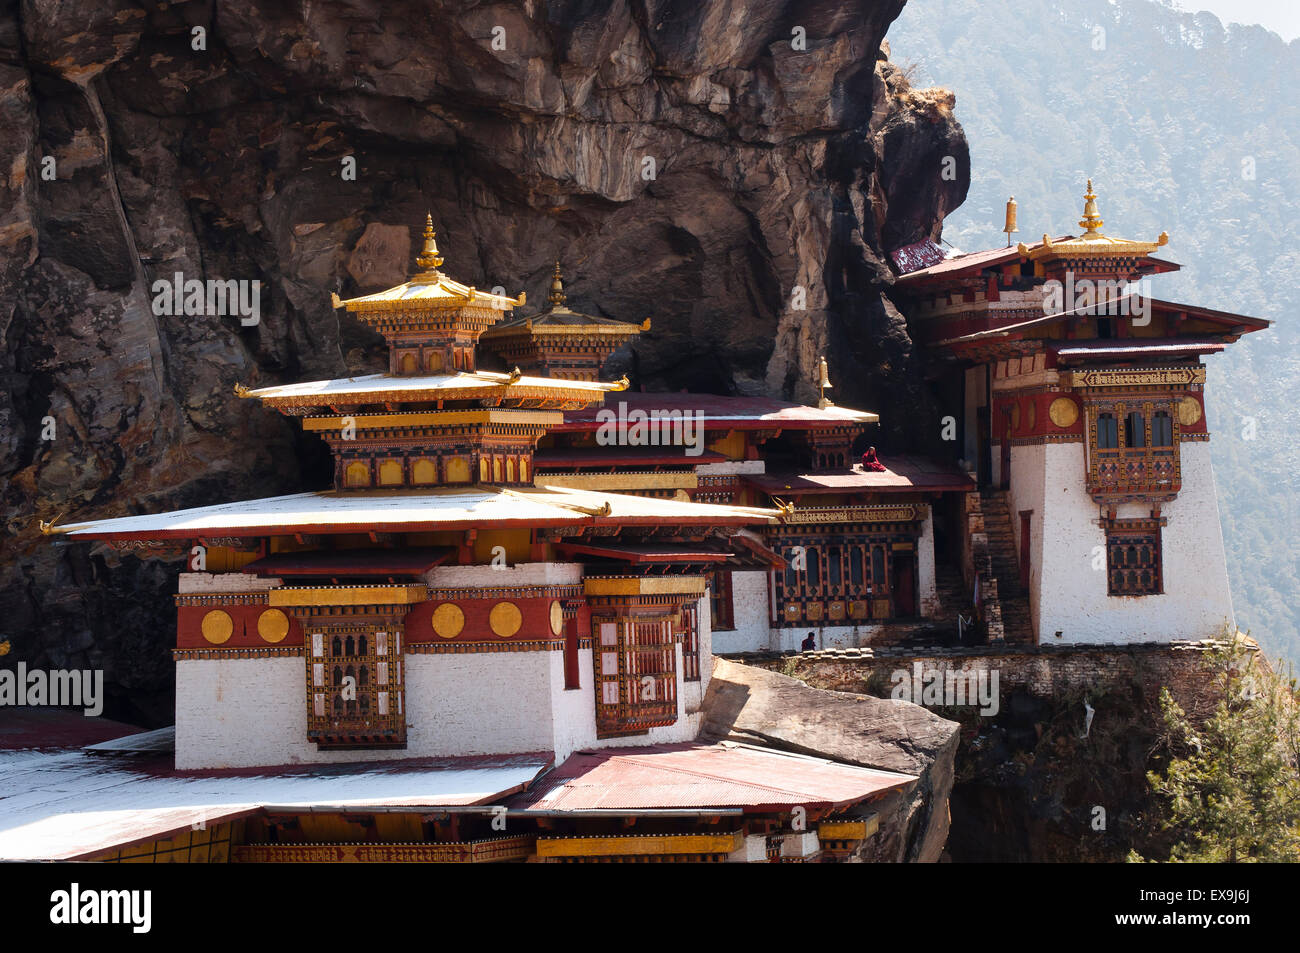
559 319
428 288
464 385
1092 243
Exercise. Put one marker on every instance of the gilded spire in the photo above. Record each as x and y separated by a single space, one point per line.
557 295
429 260
823 383
1091 218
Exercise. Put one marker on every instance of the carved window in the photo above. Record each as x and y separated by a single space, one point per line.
1136 461
1133 558
846 579
354 690
690 642
636 674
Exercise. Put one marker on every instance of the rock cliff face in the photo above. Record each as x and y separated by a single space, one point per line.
697 163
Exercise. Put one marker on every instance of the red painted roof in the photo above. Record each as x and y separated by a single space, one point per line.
28 727
902 473
351 562
696 775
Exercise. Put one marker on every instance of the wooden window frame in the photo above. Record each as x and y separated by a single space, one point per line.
722 608
1141 535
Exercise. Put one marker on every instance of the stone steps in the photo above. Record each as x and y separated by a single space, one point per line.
1004 558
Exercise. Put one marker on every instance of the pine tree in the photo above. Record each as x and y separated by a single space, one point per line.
1231 790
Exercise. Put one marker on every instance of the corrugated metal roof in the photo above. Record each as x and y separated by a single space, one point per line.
694 775
67 804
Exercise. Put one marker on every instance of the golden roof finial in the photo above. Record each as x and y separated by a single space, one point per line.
1091 218
429 260
823 383
557 296
1010 226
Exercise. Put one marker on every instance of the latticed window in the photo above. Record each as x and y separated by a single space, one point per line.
636 674
1133 558
355 690
690 643
1133 453
841 580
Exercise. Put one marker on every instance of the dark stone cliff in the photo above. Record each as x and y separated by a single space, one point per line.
774 167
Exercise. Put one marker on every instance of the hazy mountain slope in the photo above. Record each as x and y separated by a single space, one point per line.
1168 117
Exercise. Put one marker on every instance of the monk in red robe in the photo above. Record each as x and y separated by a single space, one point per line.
870 463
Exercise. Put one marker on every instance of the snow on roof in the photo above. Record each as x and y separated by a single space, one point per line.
386 383
716 409
59 805
410 511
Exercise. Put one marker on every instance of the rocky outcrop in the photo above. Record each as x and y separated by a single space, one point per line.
712 166
750 704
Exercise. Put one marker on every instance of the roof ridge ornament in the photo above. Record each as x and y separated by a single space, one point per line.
557 296
823 383
429 260
1091 217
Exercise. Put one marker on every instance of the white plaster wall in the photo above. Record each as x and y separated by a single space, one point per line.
252 712
750 601
577 731
927 592
200 582
1029 492
248 712
575 708
729 467
235 713
520 574
828 636
480 703
1070 595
